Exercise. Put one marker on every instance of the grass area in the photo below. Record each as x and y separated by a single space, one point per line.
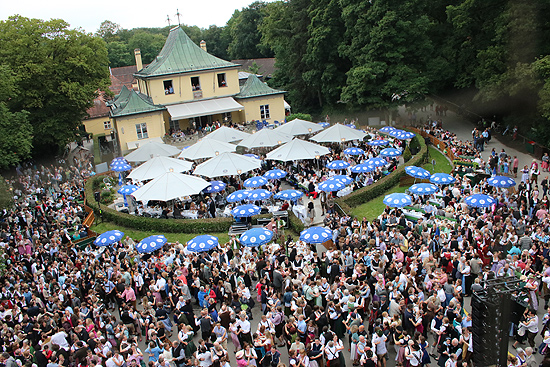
372 209
137 235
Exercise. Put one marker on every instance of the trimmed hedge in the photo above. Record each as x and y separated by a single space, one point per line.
380 187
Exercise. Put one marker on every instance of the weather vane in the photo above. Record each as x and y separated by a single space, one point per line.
168 20
178 15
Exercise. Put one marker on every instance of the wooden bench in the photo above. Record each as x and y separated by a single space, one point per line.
83 243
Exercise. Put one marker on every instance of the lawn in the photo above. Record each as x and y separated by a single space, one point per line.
139 235
372 209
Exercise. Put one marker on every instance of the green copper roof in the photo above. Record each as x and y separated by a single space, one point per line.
119 98
254 87
181 55
135 103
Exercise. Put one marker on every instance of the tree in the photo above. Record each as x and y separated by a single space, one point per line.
108 31
150 44
58 73
120 54
217 41
245 34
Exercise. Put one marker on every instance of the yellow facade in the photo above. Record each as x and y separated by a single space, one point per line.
252 111
98 125
183 88
126 127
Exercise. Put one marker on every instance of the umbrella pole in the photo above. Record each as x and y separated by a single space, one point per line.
120 179
125 200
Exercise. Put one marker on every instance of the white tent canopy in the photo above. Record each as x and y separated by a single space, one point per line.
206 148
227 135
157 166
203 108
227 164
298 127
338 133
296 150
169 186
150 150
265 138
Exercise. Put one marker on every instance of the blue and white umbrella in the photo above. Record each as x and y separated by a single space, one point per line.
377 142
479 200
423 189
275 174
352 126
256 181
252 155
395 132
247 210
151 243
404 135
127 190
316 235
324 125
202 243
376 162
215 186
118 160
346 180
238 195
109 237
501 181
362 168
417 172
256 237
259 194
354 151
442 178
339 164
387 129
397 200
390 152
289 195
120 166
331 185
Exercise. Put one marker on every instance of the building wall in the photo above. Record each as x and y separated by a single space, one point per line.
252 108
183 90
96 125
126 127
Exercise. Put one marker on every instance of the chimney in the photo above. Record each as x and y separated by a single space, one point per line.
203 45
139 64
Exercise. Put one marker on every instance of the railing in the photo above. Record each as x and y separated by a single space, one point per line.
439 144
197 94
90 218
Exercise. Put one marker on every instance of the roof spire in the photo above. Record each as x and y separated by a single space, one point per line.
178 15
168 20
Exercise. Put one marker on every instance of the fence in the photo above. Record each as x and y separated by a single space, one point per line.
439 144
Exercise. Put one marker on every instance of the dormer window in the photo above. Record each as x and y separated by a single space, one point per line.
168 87
195 83
221 80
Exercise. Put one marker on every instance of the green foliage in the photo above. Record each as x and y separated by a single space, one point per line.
107 197
58 72
301 116
6 194
407 154
254 68
245 35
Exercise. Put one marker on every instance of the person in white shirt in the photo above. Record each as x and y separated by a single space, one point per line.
60 339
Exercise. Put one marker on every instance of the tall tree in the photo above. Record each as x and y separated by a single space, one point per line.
58 72
245 34
217 41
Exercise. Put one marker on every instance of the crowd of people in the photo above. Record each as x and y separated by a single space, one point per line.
387 293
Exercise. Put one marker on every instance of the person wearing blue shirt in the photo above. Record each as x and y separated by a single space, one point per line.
514 250
154 352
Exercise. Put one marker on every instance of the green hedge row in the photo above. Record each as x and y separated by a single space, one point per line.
380 187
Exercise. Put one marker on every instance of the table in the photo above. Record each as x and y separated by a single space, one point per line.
300 211
272 208
345 191
153 212
190 214
413 214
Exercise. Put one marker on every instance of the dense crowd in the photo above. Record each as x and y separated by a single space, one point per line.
388 292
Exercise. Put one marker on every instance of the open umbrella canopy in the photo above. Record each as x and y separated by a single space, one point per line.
251 155
338 164
362 168
397 200
423 189
227 164
387 129
479 200
259 194
256 237
395 132
256 181
316 235
338 133
265 138
417 172
120 166
127 189
442 178
117 160
202 243
297 150
227 135
346 180
215 186
298 127
404 135
109 237
169 186
354 151
152 149
390 152
151 243
247 210
331 185
207 148
275 174
351 126
324 125
289 194
238 195
156 166
376 162
501 181
377 142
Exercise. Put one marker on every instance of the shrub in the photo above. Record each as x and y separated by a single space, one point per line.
407 154
107 197
301 116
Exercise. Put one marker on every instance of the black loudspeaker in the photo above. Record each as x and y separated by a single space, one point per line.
97 196
486 330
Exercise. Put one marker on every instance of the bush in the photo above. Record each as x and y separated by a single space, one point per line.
107 197
407 154
301 116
